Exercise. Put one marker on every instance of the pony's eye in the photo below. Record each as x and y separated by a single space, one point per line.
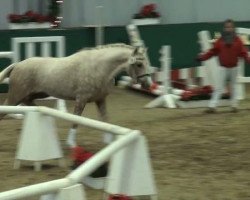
139 65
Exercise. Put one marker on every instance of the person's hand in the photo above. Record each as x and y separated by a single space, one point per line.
198 58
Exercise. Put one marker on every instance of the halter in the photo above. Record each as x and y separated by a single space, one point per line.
141 76
131 61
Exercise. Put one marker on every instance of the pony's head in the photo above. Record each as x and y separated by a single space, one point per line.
139 67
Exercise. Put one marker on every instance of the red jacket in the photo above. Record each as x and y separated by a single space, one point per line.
228 54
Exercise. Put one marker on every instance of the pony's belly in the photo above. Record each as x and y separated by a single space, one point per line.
98 96
62 95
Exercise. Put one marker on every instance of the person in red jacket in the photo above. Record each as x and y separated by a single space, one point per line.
229 48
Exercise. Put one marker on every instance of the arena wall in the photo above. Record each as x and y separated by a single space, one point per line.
182 38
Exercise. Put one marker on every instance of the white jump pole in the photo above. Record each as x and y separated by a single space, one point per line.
168 99
98 125
211 65
136 41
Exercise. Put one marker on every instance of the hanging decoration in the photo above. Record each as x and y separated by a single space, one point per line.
54 12
52 16
147 11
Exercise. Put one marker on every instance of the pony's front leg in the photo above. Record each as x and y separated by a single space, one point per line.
79 107
101 106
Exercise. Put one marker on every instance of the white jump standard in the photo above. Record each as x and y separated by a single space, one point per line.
129 145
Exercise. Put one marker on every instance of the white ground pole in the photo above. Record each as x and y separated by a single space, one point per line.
138 179
30 48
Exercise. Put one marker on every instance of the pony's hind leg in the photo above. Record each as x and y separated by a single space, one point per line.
79 107
101 106
28 102
2 115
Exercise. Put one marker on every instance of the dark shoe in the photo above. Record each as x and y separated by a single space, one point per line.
210 110
234 110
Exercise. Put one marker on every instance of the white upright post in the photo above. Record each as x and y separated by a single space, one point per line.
45 49
242 80
134 36
29 50
211 65
99 27
15 46
167 100
136 41
165 63
241 88
130 171
38 140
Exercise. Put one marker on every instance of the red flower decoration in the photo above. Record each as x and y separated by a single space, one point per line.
153 87
148 11
79 155
29 16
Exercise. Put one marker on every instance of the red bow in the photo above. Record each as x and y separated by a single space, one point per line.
79 155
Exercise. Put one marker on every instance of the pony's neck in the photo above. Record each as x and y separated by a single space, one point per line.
119 63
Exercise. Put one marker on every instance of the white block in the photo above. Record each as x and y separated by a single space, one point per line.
38 140
95 183
75 192
130 171
166 101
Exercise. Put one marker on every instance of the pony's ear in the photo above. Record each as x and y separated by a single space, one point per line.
136 50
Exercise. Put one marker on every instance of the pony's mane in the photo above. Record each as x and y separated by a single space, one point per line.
122 45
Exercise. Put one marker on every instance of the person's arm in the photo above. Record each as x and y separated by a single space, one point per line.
244 52
210 53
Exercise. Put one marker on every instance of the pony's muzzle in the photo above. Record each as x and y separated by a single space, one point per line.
144 80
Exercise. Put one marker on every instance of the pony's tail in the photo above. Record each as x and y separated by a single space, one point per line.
6 72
